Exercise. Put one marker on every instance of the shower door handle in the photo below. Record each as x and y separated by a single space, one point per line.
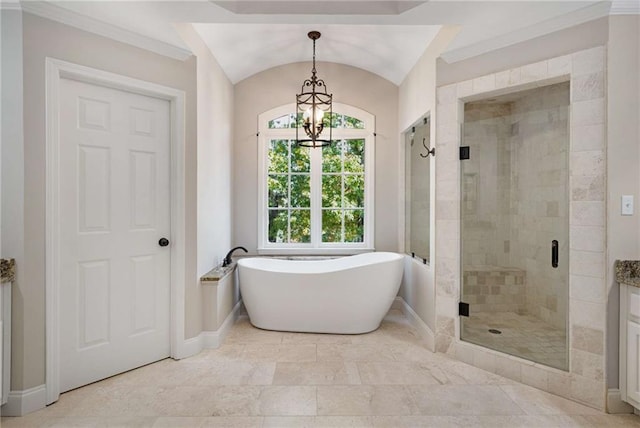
554 253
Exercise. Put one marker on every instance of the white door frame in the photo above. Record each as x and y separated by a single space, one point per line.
55 71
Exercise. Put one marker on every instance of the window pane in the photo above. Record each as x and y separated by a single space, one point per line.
300 158
326 120
300 191
331 191
336 120
353 226
354 155
331 225
342 183
300 226
278 191
278 226
332 157
292 120
281 122
354 191
352 123
279 156
343 121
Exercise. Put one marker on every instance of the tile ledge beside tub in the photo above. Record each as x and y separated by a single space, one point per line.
628 272
7 270
220 305
217 273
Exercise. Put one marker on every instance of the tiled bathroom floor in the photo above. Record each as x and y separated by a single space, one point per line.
272 379
522 335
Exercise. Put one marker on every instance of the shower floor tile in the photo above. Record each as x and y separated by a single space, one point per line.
386 378
523 336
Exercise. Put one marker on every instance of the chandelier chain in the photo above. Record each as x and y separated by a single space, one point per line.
313 106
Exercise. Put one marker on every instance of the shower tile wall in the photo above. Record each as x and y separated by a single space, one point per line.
515 191
540 204
485 207
588 297
493 289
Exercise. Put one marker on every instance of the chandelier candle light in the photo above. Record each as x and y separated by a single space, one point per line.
315 107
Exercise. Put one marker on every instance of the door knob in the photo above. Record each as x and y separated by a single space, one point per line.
163 242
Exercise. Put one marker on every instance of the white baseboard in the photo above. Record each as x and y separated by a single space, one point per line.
189 348
416 322
210 339
615 403
213 339
20 403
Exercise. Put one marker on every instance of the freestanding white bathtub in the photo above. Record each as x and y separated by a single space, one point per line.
348 295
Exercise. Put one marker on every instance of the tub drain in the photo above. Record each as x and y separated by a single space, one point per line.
494 331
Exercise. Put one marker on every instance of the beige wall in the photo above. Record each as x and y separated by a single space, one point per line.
417 97
349 85
579 37
417 93
12 231
44 38
623 158
214 148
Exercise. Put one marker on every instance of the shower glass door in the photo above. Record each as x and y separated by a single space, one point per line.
417 190
515 224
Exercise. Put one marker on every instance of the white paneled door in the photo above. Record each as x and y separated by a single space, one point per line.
114 211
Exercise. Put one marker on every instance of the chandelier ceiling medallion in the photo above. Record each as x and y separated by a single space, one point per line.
313 107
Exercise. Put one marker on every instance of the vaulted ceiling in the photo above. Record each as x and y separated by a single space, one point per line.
384 37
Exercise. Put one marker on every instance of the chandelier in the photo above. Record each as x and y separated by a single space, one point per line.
313 107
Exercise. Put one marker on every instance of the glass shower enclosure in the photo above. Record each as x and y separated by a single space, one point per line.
515 224
417 190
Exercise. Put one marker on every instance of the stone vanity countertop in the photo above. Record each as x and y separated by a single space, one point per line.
7 270
628 272
217 273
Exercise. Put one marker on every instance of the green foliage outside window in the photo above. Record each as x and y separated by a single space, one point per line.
336 120
289 186
343 191
342 186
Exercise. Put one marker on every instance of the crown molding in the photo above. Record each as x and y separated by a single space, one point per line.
625 7
10 5
83 22
568 20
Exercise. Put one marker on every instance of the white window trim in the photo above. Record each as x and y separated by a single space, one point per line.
316 246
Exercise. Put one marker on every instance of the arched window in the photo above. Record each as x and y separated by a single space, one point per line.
316 200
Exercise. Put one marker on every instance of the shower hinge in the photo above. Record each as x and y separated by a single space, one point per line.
464 152
463 309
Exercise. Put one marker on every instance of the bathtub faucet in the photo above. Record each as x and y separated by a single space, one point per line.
227 259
